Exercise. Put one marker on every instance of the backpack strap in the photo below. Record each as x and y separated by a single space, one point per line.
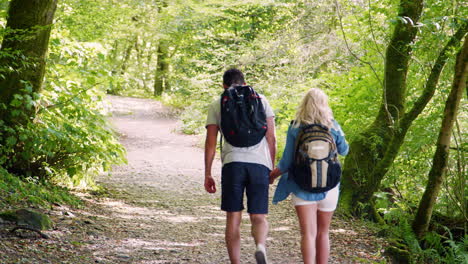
221 144
318 125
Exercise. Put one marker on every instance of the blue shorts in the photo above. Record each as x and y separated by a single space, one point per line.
254 178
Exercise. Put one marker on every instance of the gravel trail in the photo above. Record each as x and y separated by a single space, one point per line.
154 209
163 215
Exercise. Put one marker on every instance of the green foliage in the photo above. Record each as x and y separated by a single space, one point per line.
31 192
70 144
68 140
452 251
434 248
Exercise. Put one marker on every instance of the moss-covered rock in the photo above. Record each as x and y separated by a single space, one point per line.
398 255
28 218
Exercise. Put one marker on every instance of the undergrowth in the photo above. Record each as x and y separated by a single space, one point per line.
29 192
434 247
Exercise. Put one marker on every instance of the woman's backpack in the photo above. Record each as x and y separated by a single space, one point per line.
316 167
243 118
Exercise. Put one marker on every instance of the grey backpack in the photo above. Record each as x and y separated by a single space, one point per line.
316 167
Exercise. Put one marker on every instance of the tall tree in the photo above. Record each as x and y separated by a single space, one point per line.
128 52
439 163
161 80
370 147
161 76
373 153
26 41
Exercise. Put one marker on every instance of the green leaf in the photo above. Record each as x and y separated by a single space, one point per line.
91 80
23 137
15 102
11 140
71 171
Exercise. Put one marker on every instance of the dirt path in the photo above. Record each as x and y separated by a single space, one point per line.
163 214
156 210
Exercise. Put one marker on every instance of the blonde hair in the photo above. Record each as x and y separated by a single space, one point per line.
314 109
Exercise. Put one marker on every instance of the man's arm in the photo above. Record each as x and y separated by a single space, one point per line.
271 138
210 151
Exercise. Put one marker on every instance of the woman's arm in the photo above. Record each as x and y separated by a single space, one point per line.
288 152
340 140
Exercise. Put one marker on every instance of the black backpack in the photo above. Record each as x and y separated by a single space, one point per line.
316 167
243 118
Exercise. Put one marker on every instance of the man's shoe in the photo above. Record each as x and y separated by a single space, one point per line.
260 255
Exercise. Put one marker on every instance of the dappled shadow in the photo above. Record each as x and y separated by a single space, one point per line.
158 212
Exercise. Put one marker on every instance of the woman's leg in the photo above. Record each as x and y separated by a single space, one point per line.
307 215
325 210
323 241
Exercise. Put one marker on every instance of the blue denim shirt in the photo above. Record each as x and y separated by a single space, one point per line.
285 186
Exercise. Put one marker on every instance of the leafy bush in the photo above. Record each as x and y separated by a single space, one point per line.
68 140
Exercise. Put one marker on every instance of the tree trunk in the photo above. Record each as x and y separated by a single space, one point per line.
391 144
26 41
439 163
127 54
161 82
358 180
382 167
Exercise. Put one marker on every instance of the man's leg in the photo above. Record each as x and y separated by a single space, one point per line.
259 228
233 220
232 187
259 233
257 201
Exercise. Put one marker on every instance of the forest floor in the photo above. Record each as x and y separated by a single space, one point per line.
157 211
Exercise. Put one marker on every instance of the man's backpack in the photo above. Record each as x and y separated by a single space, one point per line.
243 118
316 167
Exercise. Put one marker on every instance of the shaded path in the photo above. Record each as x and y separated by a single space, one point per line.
160 213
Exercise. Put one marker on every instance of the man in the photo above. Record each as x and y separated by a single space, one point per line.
244 168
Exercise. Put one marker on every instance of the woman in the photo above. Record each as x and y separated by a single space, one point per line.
314 210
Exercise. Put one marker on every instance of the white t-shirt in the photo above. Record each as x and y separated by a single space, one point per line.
259 154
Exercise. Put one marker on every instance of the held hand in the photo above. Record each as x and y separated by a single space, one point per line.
274 174
210 185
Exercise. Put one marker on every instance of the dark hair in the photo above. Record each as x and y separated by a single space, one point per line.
233 76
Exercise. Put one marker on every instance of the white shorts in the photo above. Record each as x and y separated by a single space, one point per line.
326 205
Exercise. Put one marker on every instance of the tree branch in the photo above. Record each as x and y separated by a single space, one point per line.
433 79
391 152
372 31
349 49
